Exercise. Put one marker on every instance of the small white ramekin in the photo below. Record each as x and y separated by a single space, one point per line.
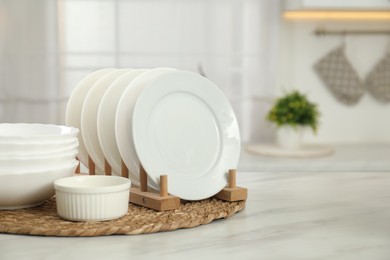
92 198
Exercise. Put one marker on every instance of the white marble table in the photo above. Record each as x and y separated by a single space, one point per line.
337 216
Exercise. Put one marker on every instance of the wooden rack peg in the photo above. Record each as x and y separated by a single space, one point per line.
160 202
107 168
78 166
143 179
232 192
91 166
125 170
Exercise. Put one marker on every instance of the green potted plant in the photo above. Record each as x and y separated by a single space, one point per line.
292 113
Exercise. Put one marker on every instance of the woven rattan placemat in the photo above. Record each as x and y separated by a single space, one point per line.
44 221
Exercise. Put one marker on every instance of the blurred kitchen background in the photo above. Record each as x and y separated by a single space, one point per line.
254 50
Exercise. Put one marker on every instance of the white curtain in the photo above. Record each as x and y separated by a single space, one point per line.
28 61
234 42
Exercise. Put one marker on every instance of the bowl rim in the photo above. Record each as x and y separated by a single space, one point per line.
40 142
55 150
39 157
69 184
40 171
72 131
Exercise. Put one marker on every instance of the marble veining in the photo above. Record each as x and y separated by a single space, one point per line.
289 215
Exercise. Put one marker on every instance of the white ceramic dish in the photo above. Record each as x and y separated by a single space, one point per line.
33 133
92 198
31 188
74 107
29 156
184 126
89 115
40 143
106 119
37 162
23 149
123 121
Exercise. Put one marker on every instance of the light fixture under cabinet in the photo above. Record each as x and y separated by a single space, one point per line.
336 15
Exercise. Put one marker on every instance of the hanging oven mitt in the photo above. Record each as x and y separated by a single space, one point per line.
378 80
340 77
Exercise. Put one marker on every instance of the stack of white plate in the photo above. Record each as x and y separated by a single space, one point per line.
172 122
32 157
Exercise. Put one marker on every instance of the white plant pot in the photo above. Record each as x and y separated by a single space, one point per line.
289 137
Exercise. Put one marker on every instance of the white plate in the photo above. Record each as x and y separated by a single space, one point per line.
106 119
123 121
74 107
89 115
183 126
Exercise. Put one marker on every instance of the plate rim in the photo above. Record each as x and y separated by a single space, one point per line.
74 107
102 117
91 141
123 127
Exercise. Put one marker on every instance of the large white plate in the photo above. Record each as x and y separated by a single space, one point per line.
123 121
183 126
89 115
106 119
74 107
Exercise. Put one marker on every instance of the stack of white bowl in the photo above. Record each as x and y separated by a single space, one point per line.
32 157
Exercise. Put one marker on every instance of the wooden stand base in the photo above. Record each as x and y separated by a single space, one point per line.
232 192
235 194
153 200
160 202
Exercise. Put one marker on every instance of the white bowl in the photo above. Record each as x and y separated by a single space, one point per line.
29 189
33 133
37 162
92 198
25 150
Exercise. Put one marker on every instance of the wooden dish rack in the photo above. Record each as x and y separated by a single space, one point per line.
163 201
